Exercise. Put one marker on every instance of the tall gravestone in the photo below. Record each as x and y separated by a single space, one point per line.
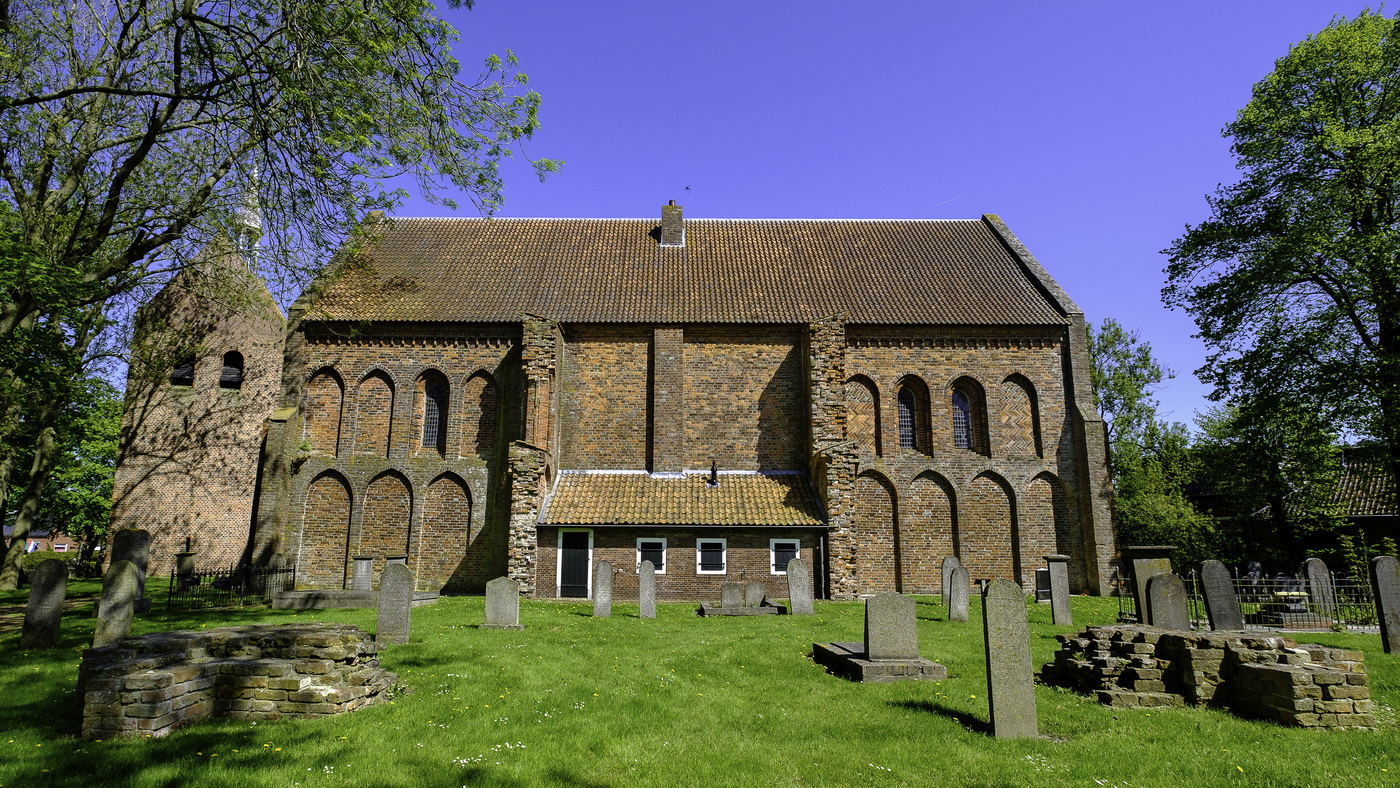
799 579
891 627
1144 561
959 587
1059 589
731 595
502 604
48 585
119 589
1166 603
1385 584
395 604
1010 674
1320 586
646 590
134 545
1222 603
946 575
362 573
602 589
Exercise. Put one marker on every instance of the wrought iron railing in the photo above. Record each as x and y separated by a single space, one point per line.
1281 602
235 586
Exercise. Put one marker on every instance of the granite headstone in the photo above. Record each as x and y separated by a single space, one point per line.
731 595
1222 604
134 545
1010 674
891 627
1059 590
959 588
946 575
1385 584
799 579
395 604
362 577
502 604
1320 586
602 589
1144 561
646 590
1166 603
753 595
118 602
48 585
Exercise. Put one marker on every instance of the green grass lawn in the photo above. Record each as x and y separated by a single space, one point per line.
681 700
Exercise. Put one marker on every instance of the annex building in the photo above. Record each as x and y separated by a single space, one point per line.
527 397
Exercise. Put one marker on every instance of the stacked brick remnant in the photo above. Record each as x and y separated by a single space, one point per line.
1263 677
153 684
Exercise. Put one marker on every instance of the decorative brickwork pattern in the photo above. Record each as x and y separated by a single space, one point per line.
862 414
1020 430
154 684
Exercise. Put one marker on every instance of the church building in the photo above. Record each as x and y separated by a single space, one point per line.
528 397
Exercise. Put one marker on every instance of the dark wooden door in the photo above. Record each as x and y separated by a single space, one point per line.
573 564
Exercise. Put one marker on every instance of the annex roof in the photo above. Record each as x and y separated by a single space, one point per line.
893 272
1365 489
752 499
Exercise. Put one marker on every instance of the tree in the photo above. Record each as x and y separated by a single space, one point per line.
1294 280
1278 466
133 135
1150 460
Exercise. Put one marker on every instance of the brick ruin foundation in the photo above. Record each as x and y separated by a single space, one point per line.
1263 677
153 684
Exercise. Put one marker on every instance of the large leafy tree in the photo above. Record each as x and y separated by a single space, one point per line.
135 134
1294 280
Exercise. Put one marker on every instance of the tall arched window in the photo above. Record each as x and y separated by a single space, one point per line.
434 414
232 376
908 407
962 420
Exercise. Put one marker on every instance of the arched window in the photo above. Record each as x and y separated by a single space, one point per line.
434 414
232 376
962 420
183 372
908 408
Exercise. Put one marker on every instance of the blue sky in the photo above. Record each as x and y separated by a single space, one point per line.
1092 128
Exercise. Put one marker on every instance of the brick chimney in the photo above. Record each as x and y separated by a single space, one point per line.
672 226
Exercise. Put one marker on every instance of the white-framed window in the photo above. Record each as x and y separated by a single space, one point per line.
710 557
653 550
780 551
60 548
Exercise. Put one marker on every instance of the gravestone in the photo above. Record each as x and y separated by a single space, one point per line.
362 575
946 575
1010 675
1058 565
602 589
119 589
48 585
799 579
134 545
1144 561
1166 603
891 627
395 603
1320 586
753 595
959 587
502 604
646 590
184 569
1222 604
1385 584
731 595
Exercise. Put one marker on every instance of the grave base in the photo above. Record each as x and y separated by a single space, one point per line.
767 609
502 626
848 660
327 600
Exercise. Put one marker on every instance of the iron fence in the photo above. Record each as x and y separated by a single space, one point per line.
1274 603
235 586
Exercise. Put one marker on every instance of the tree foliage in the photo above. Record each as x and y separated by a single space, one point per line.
1294 280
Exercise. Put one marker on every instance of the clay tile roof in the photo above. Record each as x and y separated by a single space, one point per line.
780 499
1366 489
893 272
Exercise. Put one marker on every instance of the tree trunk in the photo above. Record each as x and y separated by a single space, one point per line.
44 457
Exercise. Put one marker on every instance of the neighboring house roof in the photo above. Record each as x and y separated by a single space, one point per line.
613 498
886 272
1366 489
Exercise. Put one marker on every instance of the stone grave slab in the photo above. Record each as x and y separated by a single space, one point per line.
120 586
646 590
799 578
1060 613
48 585
1385 584
946 575
959 589
1222 604
1166 603
395 604
602 589
734 601
502 604
1010 674
891 648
